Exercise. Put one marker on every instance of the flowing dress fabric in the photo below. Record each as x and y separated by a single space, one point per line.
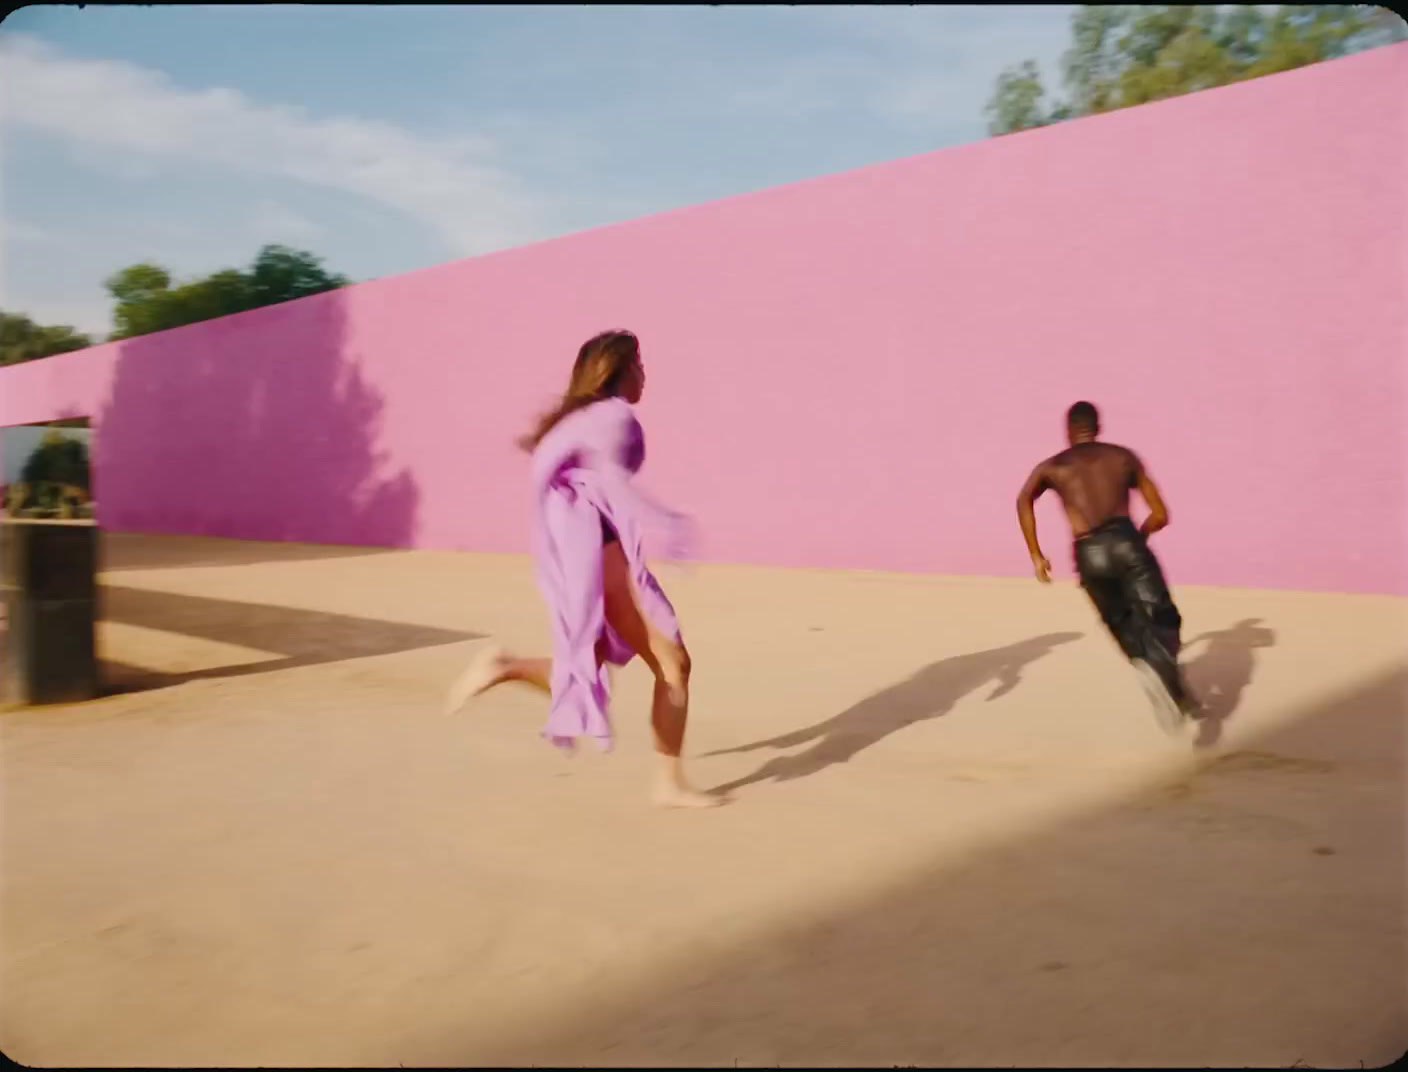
582 473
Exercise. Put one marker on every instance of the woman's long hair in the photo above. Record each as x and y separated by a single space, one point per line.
601 368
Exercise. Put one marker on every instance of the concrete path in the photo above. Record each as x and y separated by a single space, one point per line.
958 836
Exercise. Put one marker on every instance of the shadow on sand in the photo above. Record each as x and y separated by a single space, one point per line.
1251 917
122 551
930 693
1222 671
301 637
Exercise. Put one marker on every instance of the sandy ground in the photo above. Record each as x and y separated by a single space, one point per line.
958 836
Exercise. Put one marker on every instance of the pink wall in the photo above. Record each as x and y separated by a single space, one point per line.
858 371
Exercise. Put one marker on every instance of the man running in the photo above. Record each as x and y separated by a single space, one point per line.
1116 567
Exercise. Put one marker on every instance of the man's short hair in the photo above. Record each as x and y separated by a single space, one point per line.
1083 415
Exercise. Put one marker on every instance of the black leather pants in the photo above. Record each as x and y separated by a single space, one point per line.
1125 583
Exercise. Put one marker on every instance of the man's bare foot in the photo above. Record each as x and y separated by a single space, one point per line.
676 796
483 674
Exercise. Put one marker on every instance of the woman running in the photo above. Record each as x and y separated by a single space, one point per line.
606 606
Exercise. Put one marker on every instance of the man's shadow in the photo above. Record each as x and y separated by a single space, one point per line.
1222 672
930 693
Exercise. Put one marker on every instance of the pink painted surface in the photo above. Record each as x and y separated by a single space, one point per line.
857 371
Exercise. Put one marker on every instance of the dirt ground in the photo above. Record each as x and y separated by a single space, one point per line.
958 837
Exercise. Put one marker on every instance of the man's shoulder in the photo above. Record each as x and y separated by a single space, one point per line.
1118 448
1072 455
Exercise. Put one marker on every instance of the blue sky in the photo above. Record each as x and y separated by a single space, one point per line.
388 139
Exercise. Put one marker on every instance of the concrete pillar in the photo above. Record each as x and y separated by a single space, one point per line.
48 592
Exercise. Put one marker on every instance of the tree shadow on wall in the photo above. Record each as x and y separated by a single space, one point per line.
257 426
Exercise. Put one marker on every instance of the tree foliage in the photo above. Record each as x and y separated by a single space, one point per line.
147 301
56 481
59 459
1121 55
21 339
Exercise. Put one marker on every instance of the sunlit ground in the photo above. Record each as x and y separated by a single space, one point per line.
958 836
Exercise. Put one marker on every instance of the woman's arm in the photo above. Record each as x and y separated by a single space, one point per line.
619 437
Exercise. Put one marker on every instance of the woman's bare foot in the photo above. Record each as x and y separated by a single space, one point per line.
488 669
677 797
672 791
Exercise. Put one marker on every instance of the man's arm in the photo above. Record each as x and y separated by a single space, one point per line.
1026 516
1158 512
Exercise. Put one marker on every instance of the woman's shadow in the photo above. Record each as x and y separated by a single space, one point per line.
930 693
1222 672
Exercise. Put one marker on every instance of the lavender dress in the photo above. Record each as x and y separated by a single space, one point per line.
582 473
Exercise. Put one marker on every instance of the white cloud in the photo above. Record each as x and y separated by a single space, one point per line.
19 231
985 49
279 223
451 184
89 315
934 66
210 167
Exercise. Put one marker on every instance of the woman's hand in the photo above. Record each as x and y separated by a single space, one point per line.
681 537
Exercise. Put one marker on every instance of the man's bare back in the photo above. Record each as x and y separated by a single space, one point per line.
1116 567
1093 480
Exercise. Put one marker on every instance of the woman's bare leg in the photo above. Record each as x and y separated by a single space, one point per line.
669 662
494 667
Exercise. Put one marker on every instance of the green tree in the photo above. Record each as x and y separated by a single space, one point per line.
58 460
1121 55
142 293
21 339
1017 100
280 274
146 301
